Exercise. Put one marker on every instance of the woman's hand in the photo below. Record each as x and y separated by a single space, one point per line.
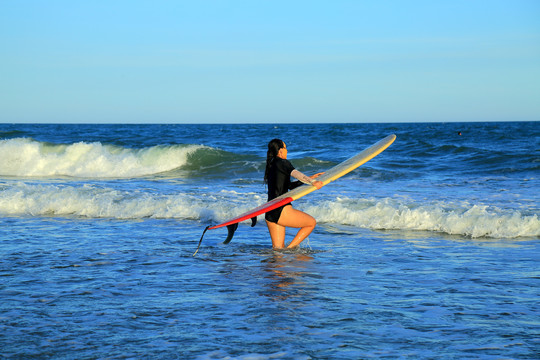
318 184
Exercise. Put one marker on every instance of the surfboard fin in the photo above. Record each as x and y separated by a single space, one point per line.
231 228
253 221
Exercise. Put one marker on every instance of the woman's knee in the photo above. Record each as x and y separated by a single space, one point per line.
311 221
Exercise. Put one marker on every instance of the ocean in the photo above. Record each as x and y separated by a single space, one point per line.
430 250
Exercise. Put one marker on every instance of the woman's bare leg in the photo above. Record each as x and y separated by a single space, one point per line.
277 234
291 217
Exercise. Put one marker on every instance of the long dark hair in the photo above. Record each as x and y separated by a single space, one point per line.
273 148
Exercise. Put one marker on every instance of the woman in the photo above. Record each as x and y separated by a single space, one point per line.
277 176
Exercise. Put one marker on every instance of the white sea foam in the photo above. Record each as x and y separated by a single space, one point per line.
26 157
91 201
451 218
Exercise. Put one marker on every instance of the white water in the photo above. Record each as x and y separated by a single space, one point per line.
463 218
91 201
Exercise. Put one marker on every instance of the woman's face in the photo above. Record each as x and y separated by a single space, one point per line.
282 153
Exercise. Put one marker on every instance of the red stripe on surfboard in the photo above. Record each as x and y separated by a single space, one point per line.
256 212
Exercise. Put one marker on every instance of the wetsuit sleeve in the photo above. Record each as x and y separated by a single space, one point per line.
295 184
288 168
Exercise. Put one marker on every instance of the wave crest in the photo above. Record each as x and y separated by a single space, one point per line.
25 157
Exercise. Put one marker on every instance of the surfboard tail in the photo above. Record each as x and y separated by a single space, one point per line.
230 229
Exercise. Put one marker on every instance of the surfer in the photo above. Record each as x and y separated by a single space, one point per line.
277 177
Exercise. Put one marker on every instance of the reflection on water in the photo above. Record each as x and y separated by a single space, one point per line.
283 274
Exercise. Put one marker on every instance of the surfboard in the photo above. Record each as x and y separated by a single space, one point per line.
330 175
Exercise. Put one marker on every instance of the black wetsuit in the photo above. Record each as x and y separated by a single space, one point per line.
279 182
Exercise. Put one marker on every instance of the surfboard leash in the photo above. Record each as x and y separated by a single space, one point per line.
230 228
200 241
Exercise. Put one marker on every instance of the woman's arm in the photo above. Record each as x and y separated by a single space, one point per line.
306 179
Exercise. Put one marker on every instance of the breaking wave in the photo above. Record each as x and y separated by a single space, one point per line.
465 219
23 157
93 201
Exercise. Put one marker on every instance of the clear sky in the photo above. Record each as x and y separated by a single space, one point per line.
269 61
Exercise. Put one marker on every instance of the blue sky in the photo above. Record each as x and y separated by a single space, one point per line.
269 61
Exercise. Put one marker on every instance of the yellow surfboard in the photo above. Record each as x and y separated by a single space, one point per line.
330 175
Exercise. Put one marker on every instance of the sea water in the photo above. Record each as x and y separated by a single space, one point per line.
430 250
